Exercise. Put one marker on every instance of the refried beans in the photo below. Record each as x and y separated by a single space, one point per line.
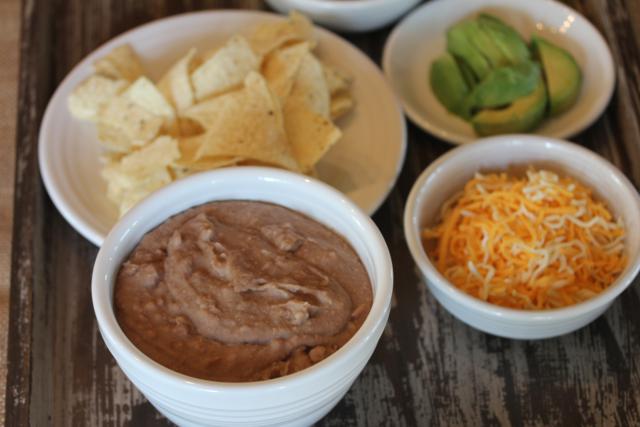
241 291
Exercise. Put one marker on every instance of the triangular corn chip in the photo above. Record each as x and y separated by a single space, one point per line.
121 63
130 119
92 94
139 173
337 81
281 67
145 93
246 123
176 83
225 70
310 86
268 37
306 115
341 104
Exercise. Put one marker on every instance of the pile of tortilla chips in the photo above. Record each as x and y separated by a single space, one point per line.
264 99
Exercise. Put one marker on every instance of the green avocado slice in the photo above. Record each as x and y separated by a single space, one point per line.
522 115
561 72
502 86
484 43
508 41
448 82
461 47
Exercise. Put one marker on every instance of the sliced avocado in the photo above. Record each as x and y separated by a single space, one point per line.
448 83
522 115
467 73
508 41
502 86
561 72
484 43
461 47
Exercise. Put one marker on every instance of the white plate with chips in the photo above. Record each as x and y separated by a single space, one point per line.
364 164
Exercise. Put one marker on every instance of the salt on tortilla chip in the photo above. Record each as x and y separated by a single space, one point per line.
175 85
246 123
225 70
144 93
92 94
269 36
337 81
121 63
341 104
310 86
130 120
281 67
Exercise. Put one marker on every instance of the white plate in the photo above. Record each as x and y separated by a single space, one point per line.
364 164
420 38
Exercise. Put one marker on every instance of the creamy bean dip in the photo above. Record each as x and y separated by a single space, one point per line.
241 291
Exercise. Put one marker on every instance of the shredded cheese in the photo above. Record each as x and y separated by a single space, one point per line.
536 242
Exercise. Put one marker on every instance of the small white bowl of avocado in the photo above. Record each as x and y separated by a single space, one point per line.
470 68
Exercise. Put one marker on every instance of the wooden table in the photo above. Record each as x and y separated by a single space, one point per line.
429 368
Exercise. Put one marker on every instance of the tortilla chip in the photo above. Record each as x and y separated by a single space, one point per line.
310 87
145 94
341 104
141 172
310 134
113 138
337 81
225 70
246 123
268 37
92 94
175 85
126 118
281 67
160 153
130 197
306 115
121 63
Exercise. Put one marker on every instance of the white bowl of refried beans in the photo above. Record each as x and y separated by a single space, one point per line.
243 296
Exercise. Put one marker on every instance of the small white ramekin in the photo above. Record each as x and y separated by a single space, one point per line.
348 15
298 399
449 173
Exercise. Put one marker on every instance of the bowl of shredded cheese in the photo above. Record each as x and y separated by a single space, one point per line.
524 236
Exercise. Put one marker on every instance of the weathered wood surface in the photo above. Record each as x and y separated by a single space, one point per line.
429 369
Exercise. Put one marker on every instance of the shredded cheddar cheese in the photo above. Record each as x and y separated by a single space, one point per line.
535 242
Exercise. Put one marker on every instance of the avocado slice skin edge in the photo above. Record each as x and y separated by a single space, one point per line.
561 72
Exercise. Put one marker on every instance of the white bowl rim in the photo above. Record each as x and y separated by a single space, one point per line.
112 332
493 310
455 138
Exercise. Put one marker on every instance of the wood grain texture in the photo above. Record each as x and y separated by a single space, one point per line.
429 369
